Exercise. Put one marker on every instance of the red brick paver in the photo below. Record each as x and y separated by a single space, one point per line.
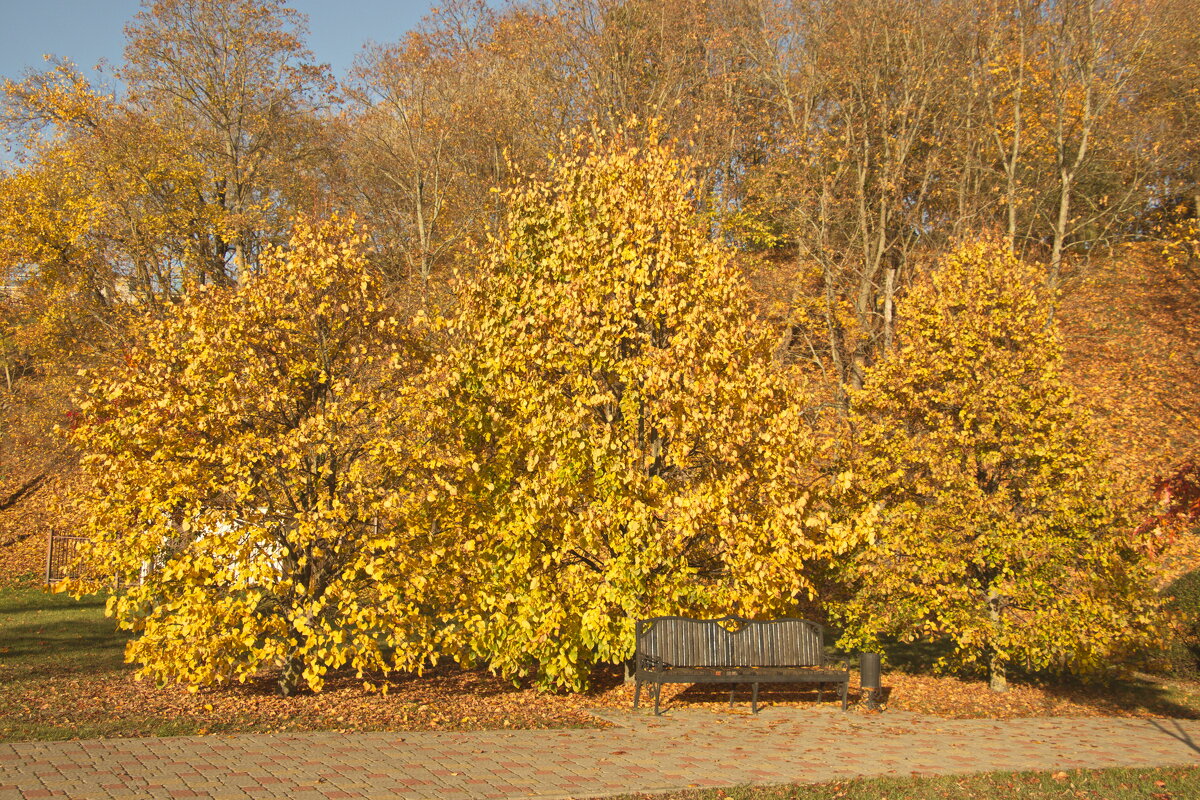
680 750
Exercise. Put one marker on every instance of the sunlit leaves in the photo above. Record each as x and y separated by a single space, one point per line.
240 485
624 443
999 527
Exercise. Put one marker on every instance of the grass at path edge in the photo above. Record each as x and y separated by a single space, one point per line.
1161 783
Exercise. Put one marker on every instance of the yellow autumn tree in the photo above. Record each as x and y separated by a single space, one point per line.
621 442
1000 530
240 489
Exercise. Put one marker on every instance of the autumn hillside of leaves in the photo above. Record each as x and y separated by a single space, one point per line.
1131 325
37 475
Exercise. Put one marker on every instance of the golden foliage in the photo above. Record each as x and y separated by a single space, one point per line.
239 485
1001 529
622 443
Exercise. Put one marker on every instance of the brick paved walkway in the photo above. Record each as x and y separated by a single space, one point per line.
682 749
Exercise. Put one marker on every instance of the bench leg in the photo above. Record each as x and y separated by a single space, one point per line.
732 686
754 701
637 691
844 691
820 692
657 692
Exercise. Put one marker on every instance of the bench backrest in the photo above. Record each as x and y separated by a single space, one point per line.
731 642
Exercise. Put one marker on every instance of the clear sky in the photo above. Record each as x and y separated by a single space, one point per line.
86 31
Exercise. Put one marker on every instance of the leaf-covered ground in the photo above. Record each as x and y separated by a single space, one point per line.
62 675
1139 695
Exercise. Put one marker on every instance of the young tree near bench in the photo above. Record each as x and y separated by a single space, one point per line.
623 443
999 527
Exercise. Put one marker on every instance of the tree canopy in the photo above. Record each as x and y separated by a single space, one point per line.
626 443
999 528
554 381
239 486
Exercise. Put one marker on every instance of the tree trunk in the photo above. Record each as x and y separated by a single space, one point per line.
997 664
1010 165
1060 230
835 340
997 673
889 294
292 675
239 259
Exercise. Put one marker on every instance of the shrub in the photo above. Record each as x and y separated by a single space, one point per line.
625 444
240 454
1182 604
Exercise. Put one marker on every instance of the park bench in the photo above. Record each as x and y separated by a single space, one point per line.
733 650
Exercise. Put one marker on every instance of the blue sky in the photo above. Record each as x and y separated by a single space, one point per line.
86 31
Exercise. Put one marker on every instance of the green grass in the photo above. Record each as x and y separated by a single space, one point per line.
43 635
52 649
115 727
1167 783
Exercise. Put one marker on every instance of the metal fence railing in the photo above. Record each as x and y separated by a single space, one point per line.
62 552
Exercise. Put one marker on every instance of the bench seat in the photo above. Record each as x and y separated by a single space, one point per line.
733 650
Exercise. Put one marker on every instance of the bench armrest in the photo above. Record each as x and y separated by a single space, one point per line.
649 663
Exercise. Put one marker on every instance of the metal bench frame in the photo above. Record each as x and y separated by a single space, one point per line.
734 650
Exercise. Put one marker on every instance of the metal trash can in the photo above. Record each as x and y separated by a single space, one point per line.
870 678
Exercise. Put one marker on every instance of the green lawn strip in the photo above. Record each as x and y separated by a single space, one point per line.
1163 783
46 635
